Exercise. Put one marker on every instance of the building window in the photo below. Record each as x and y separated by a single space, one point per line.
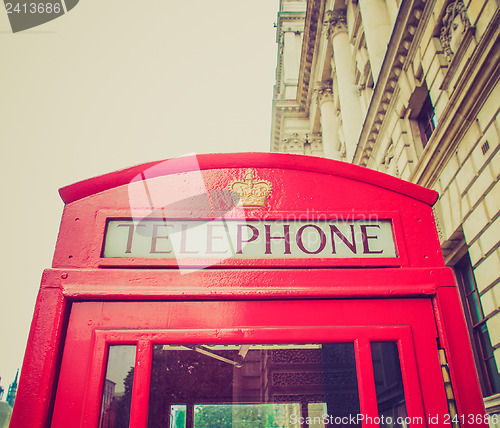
426 120
480 338
421 112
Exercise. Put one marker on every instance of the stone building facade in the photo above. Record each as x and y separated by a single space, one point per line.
409 88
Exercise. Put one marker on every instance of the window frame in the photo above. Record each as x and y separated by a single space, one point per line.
426 120
464 274
411 325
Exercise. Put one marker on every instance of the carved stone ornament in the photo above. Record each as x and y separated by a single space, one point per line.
335 22
455 26
316 141
323 91
253 193
388 156
341 142
293 142
302 143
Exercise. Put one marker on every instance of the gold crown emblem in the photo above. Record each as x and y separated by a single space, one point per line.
253 193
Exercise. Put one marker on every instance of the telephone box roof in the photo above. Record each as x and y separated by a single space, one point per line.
111 180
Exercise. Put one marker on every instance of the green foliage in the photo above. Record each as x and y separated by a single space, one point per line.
228 416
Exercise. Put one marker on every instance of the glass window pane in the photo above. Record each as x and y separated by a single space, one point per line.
388 383
489 358
252 386
475 307
468 278
484 338
117 390
178 416
491 367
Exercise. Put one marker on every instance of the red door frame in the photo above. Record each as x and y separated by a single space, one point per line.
79 273
54 302
94 326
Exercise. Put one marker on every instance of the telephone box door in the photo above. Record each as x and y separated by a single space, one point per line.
322 363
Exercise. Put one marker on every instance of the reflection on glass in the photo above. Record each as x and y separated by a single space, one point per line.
117 390
475 307
389 384
178 416
253 386
246 415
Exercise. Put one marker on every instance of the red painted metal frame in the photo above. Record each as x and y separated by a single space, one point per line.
112 180
144 340
40 370
91 330
78 274
209 284
66 286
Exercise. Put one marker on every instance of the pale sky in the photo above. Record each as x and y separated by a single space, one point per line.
111 84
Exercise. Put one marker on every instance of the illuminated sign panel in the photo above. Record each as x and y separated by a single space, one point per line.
249 239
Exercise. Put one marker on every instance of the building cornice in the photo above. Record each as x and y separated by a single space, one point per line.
309 47
284 106
399 55
283 16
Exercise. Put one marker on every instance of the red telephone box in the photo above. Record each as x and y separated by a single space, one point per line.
248 290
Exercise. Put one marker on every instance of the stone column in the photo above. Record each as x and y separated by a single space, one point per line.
329 125
377 25
336 30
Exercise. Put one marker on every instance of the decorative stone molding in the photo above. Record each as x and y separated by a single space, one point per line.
342 146
388 156
297 28
296 142
294 21
455 26
309 41
292 30
281 110
362 61
388 161
316 141
323 91
293 142
343 151
335 22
